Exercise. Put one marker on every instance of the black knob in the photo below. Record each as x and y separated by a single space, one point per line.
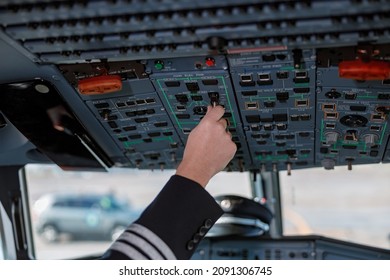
216 43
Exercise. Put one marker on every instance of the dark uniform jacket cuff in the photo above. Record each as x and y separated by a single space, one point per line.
181 215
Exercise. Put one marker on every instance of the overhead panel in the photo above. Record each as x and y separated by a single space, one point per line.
303 83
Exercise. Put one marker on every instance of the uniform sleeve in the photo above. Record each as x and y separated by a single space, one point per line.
172 226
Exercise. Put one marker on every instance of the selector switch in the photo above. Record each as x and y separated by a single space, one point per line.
331 138
214 98
370 139
328 163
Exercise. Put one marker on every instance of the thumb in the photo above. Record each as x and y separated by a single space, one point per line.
215 113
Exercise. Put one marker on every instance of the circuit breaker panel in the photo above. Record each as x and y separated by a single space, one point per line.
352 115
286 109
188 86
303 83
276 96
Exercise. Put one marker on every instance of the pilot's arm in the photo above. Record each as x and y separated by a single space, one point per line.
172 226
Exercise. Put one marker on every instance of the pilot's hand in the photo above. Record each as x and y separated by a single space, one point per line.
209 148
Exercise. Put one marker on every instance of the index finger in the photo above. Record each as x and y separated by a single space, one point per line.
215 113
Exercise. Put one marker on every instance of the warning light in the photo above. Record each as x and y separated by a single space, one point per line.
364 71
210 61
100 84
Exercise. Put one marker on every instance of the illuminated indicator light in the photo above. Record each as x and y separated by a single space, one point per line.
210 62
158 64
364 71
100 84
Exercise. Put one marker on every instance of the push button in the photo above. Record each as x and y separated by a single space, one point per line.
197 238
190 245
208 223
202 231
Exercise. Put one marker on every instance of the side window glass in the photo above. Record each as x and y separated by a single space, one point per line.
1 246
118 196
60 203
108 204
85 203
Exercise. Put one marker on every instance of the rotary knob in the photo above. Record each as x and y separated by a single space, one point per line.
370 139
331 138
328 163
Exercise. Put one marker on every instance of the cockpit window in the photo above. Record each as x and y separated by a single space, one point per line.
76 214
1 244
349 205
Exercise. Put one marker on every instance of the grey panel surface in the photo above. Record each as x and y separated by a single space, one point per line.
271 63
17 66
187 86
287 248
277 109
352 127
141 128
68 30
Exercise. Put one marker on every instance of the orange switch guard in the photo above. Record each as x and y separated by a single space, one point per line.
364 71
100 84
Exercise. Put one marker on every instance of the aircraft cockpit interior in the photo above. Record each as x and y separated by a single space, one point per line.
306 90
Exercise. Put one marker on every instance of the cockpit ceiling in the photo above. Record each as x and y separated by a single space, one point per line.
304 83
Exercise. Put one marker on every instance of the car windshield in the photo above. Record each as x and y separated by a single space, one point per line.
76 214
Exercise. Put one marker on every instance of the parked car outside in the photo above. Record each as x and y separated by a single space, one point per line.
92 216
